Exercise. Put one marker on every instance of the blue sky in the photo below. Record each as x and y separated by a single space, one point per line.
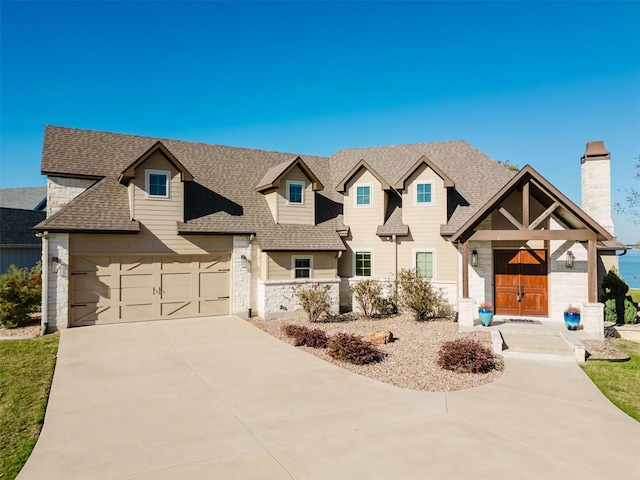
528 82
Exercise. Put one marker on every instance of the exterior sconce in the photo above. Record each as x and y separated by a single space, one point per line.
55 261
570 259
474 258
244 261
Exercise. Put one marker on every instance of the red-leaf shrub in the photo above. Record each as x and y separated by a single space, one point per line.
466 356
301 335
350 348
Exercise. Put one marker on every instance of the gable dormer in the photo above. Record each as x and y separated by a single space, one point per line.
289 190
365 196
156 185
424 185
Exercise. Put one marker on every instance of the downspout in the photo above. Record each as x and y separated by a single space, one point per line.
250 267
394 239
44 320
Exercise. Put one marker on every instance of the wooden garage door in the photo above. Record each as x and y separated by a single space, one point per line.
109 289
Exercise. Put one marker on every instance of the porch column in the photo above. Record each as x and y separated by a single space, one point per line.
465 269
592 271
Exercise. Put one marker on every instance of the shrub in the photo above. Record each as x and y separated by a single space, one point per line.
352 349
466 356
611 314
20 295
314 300
314 338
368 294
615 298
418 295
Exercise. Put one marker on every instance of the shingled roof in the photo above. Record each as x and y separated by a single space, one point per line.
223 199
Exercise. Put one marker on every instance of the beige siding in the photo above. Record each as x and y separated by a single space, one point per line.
279 264
272 201
296 214
424 226
363 222
146 243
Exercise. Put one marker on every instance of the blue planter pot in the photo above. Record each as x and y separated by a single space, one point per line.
486 316
571 320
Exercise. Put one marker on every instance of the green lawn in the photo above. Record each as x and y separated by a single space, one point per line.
26 372
619 381
635 294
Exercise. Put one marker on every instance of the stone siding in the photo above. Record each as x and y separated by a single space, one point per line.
241 275
277 298
61 191
58 283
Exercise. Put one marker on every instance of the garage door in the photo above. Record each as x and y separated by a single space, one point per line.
109 289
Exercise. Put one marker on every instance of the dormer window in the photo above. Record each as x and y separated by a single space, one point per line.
295 193
363 195
157 183
424 193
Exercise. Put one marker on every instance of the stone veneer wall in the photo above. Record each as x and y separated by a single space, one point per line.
277 298
241 275
60 191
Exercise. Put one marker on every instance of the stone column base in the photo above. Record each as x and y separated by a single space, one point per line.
592 318
466 312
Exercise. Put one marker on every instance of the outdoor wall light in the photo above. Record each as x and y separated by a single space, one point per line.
244 261
570 259
474 258
55 261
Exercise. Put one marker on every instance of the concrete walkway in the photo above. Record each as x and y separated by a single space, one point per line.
216 398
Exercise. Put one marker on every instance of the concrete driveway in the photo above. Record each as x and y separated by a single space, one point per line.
216 398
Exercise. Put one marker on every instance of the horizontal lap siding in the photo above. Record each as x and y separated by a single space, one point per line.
279 264
296 214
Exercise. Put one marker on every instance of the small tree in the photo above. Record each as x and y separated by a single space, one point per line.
368 294
20 295
418 295
615 298
315 300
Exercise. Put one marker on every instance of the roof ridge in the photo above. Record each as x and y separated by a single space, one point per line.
437 142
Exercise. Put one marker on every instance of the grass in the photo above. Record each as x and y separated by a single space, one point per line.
619 381
26 372
635 294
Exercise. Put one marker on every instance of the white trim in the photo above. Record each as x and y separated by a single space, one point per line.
355 195
296 182
415 194
167 173
415 251
293 266
355 253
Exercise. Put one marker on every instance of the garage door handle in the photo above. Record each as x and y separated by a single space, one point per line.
78 273
224 269
222 298
79 305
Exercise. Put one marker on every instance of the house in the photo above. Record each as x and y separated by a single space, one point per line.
20 210
141 228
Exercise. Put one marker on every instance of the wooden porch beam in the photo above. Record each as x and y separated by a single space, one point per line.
465 270
592 271
543 216
525 205
582 235
511 218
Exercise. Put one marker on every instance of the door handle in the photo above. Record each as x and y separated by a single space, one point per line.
518 294
521 291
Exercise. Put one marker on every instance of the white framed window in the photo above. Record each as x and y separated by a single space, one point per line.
302 267
363 195
424 263
363 263
424 193
157 183
295 192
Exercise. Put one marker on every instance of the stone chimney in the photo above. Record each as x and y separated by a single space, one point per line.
596 184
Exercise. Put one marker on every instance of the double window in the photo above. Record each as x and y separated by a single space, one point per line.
363 195
302 267
295 193
424 193
363 264
157 183
424 264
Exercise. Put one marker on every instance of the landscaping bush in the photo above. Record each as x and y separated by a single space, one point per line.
368 294
352 349
611 314
315 300
314 338
418 295
466 356
20 295
618 306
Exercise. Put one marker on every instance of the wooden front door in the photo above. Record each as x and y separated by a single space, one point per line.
520 279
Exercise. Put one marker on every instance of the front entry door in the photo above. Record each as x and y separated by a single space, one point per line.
520 279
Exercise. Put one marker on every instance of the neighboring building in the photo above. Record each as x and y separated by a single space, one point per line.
140 228
20 210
